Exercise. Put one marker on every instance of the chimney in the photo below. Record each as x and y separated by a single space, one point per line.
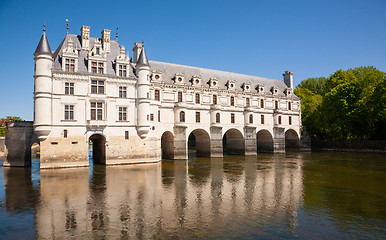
106 40
288 79
85 35
137 51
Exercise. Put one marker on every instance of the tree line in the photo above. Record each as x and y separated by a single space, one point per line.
347 105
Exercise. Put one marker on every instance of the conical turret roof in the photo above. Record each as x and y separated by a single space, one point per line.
43 46
142 59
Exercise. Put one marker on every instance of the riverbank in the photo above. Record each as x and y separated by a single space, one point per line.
365 146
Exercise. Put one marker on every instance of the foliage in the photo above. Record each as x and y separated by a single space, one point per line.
8 119
349 104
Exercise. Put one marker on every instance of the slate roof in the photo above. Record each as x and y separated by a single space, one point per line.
43 46
82 60
168 69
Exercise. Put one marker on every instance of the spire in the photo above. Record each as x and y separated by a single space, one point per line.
68 26
43 46
142 59
116 35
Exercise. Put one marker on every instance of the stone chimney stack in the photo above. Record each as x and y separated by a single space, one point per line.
106 40
137 49
85 34
289 79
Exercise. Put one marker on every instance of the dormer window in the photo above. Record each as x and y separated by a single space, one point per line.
274 90
97 67
97 51
179 78
196 80
122 70
156 75
260 88
70 65
288 91
213 82
231 85
246 87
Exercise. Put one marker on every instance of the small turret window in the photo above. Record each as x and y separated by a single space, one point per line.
279 119
156 95
214 99
232 118
247 102
262 119
250 118
179 96
289 120
232 101
261 103
218 118
289 105
197 98
198 117
276 105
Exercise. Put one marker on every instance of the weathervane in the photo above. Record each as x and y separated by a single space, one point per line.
68 25
44 25
116 35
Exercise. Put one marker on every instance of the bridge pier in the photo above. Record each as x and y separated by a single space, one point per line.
180 143
278 140
18 141
250 143
216 149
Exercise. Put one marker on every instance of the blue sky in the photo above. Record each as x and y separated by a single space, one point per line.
261 38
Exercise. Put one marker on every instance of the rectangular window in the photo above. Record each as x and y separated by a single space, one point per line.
276 105
197 98
261 103
214 99
64 133
156 95
126 134
289 105
159 116
97 87
232 101
69 88
122 113
122 70
289 120
70 65
97 67
179 96
151 117
198 117
262 119
232 118
122 92
279 118
68 112
247 102
96 111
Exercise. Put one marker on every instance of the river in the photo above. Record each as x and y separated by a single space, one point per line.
269 196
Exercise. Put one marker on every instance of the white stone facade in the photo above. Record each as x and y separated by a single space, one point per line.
138 110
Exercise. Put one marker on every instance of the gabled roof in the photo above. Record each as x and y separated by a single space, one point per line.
43 46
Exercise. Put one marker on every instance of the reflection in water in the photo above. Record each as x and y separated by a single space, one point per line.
235 197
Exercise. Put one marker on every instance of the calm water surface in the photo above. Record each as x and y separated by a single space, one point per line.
296 195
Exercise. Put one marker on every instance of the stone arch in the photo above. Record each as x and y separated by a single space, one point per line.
292 141
167 145
199 140
233 142
264 141
98 148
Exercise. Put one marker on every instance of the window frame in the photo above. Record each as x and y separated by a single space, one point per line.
156 95
69 110
96 87
198 117
197 98
182 116
98 111
232 118
122 91
69 88
179 97
122 114
218 118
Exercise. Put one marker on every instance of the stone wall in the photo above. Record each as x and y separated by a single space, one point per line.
2 144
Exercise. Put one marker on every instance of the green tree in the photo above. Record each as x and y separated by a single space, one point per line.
8 119
316 85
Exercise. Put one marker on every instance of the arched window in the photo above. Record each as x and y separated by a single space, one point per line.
250 118
232 101
179 96
279 119
247 102
214 99
156 95
197 98
289 105
217 117
182 116
289 120
276 105
261 103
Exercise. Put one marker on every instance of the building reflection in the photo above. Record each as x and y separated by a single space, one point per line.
167 200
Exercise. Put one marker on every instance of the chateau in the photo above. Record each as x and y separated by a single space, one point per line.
134 110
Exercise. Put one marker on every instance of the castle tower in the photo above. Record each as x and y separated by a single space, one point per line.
143 95
43 84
